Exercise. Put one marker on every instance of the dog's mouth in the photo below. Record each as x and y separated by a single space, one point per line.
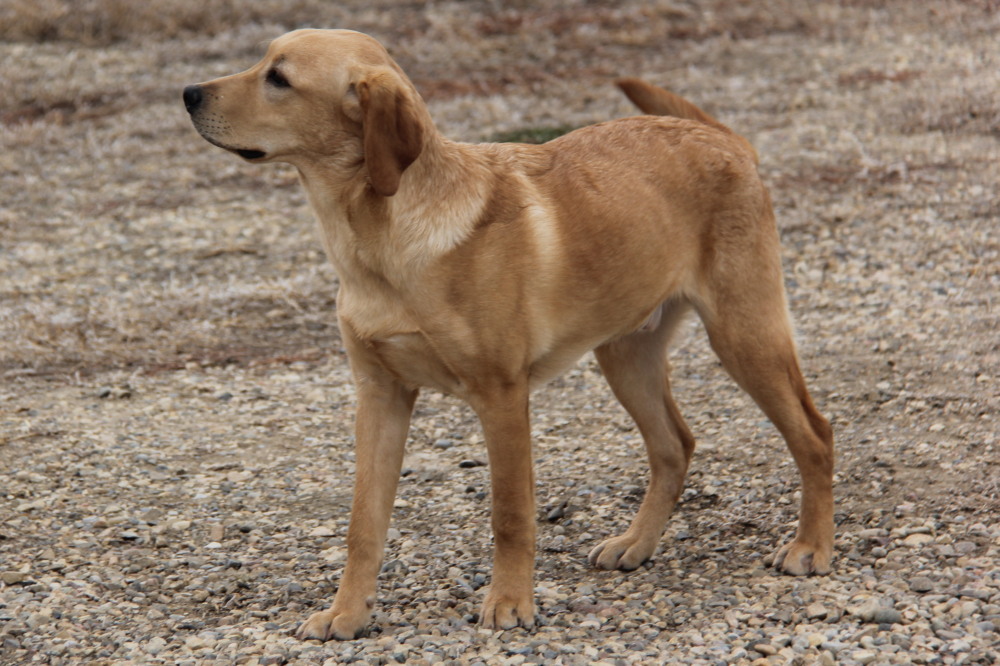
249 154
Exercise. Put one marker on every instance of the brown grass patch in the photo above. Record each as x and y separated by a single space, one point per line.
105 22
63 111
102 22
862 78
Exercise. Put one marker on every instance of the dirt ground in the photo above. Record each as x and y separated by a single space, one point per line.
175 407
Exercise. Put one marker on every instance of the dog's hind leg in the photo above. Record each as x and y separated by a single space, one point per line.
746 317
636 368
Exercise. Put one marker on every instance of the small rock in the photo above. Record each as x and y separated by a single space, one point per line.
322 531
921 584
966 547
887 616
982 595
918 540
765 649
13 577
155 645
816 611
863 656
272 660
40 619
194 643
986 627
868 609
964 609
557 513
152 516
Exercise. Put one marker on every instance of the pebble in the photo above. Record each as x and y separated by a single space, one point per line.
155 645
886 616
13 577
864 656
918 540
816 611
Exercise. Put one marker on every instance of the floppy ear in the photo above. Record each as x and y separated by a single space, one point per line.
392 131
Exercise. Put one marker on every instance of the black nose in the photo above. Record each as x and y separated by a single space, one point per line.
192 98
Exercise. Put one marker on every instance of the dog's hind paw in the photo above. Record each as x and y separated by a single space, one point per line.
324 625
622 552
802 559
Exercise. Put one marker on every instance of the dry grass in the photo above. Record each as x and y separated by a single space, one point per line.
105 22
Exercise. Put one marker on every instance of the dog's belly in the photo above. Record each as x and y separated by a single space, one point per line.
415 363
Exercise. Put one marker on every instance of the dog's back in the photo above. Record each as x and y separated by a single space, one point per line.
657 101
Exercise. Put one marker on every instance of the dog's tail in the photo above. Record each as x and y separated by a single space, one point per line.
656 101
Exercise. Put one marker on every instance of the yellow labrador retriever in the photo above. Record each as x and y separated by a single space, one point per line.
485 270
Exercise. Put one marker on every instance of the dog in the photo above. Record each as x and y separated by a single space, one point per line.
485 270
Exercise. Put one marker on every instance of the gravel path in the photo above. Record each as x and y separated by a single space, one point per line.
175 407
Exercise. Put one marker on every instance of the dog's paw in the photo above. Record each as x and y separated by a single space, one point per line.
624 552
328 624
802 559
506 611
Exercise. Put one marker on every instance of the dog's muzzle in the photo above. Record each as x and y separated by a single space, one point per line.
194 98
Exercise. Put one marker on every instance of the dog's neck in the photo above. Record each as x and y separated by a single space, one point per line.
435 209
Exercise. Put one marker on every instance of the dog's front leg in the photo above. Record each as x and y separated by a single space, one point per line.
383 418
504 415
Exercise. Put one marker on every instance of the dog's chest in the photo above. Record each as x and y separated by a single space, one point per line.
415 362
390 333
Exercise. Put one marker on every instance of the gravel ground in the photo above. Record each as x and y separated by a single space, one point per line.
175 408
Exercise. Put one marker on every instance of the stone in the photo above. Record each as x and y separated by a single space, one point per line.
887 616
13 577
864 656
816 611
765 649
155 645
918 540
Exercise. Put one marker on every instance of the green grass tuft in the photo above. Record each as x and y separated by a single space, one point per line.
531 134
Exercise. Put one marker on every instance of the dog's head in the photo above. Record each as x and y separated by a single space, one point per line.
317 95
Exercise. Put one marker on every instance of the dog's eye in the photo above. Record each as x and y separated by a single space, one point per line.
277 79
